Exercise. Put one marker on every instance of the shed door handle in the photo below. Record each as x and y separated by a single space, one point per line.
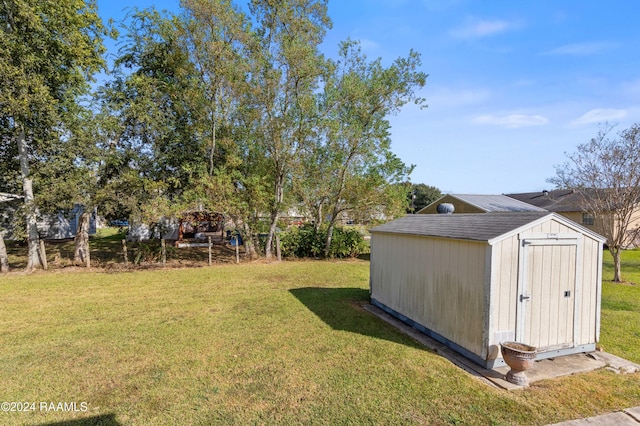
524 297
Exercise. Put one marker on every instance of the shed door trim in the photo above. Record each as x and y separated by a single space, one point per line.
544 240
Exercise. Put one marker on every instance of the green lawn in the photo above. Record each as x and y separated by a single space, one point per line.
281 343
620 332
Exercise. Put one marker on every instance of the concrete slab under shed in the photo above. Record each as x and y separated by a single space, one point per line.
543 369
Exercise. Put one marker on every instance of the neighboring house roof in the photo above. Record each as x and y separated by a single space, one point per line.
559 200
489 203
472 226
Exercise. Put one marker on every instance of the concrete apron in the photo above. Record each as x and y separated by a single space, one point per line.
542 370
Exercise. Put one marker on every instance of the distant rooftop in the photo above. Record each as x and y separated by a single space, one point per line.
491 203
558 200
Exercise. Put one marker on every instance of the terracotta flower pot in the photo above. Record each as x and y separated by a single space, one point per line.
520 357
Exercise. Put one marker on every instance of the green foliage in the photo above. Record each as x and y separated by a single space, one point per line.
350 165
151 251
422 195
304 241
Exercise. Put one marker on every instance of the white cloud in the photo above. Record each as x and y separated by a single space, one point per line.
581 49
482 28
512 121
599 115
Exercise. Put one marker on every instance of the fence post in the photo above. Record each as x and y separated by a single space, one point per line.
43 255
124 252
237 248
209 238
164 252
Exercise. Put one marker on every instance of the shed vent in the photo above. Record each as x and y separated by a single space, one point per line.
445 208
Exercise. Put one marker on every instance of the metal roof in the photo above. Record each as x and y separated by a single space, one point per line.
489 203
497 203
470 226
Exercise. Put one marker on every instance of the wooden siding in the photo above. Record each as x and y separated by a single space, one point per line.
504 291
435 282
591 290
505 278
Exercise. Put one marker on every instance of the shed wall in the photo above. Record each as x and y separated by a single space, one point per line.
438 283
504 294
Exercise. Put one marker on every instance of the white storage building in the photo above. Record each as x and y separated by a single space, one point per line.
472 281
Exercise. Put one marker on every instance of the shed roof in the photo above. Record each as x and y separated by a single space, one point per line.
476 227
497 203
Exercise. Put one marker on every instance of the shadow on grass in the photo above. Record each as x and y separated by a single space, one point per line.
342 309
102 420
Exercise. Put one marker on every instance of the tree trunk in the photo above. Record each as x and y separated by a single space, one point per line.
34 257
617 268
268 250
249 243
275 210
82 254
327 245
4 258
318 219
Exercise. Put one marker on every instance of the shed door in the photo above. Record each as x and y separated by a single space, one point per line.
547 293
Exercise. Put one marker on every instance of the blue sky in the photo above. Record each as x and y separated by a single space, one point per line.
512 85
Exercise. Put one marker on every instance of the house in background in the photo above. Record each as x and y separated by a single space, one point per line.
50 226
566 202
64 225
9 204
475 203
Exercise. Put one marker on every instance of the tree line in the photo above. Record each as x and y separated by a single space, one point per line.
215 107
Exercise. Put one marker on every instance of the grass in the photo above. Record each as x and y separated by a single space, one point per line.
620 332
263 343
259 343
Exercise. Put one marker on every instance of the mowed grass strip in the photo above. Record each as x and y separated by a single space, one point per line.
284 343
620 331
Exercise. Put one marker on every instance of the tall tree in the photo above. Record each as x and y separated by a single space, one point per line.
286 65
151 120
358 168
216 36
66 176
606 172
48 52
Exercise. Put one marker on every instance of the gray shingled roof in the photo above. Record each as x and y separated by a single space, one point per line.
559 200
472 226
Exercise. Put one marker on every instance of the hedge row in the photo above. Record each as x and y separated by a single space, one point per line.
306 242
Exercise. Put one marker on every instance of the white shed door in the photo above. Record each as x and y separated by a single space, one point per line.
546 300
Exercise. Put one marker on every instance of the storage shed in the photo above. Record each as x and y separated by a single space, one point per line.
472 281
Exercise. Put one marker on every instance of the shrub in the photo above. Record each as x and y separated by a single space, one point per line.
305 242
151 251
